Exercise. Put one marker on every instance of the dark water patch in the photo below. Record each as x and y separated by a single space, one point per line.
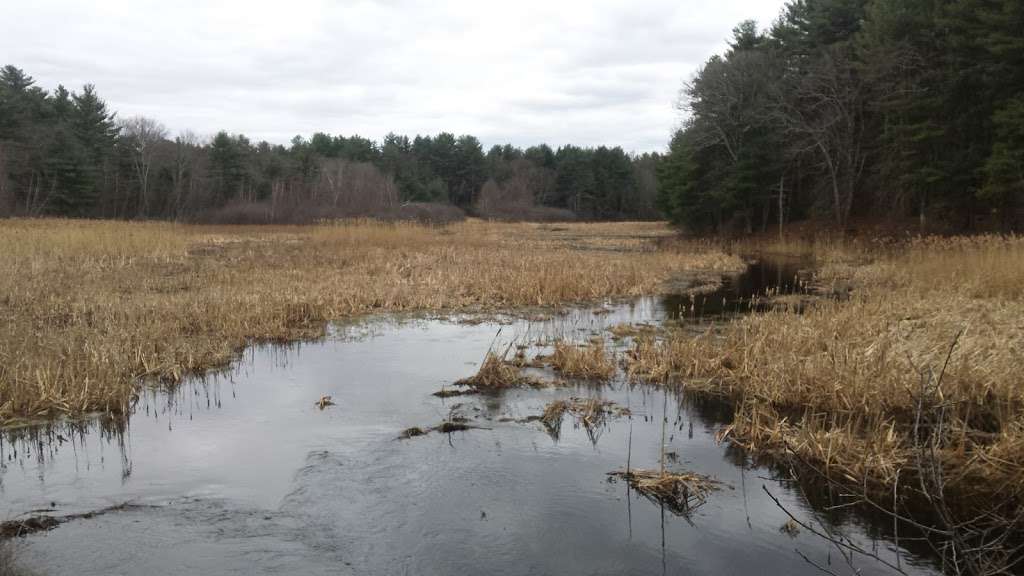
754 289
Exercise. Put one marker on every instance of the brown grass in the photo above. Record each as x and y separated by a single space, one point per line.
496 374
88 308
838 383
583 361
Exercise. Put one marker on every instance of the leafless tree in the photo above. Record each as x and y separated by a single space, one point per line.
6 189
823 112
142 135
731 98
184 171
353 188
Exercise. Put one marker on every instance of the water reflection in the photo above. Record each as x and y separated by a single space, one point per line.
763 279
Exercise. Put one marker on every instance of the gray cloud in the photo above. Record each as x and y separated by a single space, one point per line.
590 73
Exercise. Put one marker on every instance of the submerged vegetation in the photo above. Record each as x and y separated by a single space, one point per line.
88 309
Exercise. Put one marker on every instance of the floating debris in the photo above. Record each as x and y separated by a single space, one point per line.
43 523
15 528
449 427
412 433
324 402
679 492
450 393
790 528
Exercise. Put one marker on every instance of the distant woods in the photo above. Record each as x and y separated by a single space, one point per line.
847 108
841 109
66 153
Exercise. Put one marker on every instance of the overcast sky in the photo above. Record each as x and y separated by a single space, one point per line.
556 71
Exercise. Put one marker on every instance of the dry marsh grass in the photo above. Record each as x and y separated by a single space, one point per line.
88 308
839 384
496 374
583 361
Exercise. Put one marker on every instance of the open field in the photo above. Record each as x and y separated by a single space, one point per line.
860 387
89 308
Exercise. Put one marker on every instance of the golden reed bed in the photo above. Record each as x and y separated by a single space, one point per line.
90 308
844 384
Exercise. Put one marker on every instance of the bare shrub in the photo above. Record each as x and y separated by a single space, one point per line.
346 188
239 212
515 198
342 189
6 189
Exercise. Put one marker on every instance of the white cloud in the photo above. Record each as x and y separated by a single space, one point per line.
589 73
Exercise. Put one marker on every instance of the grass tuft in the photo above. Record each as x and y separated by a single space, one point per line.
584 362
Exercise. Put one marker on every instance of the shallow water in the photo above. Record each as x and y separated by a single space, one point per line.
241 473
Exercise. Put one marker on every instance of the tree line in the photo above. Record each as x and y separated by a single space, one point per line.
66 153
848 108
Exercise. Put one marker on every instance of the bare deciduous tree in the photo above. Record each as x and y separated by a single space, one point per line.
823 112
184 173
6 190
353 188
141 136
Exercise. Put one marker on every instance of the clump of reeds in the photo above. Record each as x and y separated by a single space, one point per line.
552 417
622 331
590 413
678 491
496 374
585 362
411 433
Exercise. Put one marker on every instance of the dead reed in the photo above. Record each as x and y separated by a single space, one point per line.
680 492
88 309
583 361
839 383
496 374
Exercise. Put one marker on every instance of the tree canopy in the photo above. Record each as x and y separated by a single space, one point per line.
843 108
65 153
